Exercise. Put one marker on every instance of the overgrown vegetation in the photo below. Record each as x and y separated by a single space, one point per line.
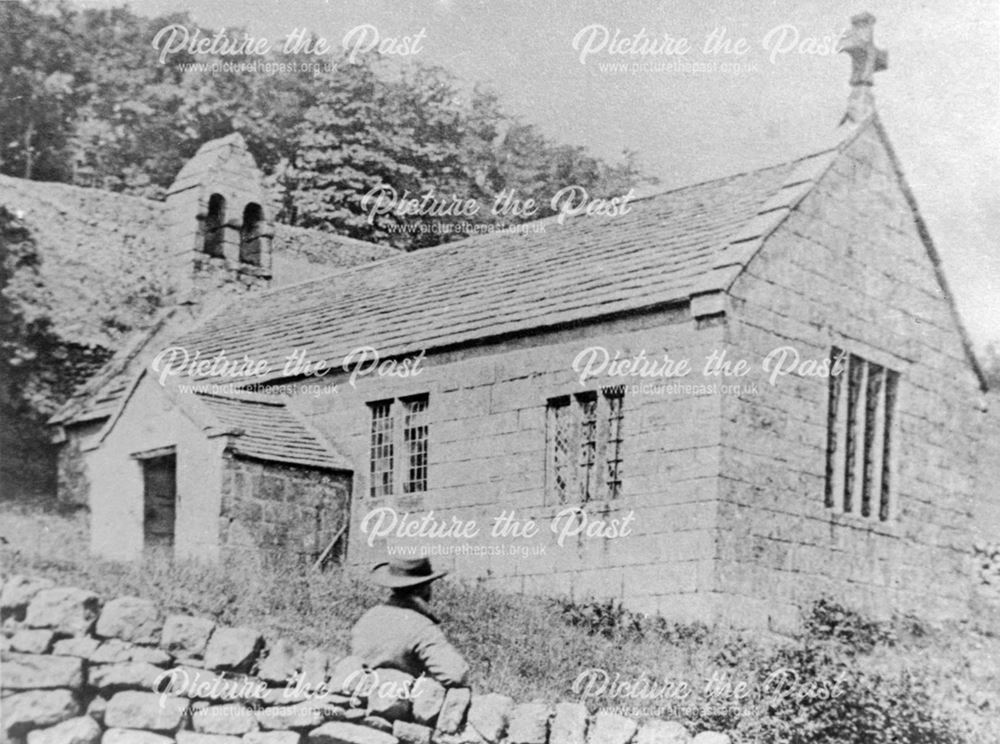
844 679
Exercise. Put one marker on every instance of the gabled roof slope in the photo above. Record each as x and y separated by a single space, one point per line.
544 275
263 427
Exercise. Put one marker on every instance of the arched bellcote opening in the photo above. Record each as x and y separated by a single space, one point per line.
251 238
213 228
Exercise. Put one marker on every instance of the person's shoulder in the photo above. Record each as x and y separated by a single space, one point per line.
391 614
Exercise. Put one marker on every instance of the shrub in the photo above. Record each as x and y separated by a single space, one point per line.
843 695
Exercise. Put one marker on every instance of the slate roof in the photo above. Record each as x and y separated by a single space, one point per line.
501 283
662 251
263 427
670 247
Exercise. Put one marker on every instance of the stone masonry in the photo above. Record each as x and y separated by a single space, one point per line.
79 671
280 512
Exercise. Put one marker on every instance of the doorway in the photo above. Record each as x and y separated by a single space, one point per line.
159 477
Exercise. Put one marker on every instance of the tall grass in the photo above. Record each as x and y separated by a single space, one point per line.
904 681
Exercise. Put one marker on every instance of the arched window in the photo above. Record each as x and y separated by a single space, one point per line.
215 221
250 234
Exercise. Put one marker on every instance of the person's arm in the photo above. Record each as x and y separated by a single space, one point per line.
442 661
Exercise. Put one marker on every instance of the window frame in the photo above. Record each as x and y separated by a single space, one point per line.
578 443
862 438
409 454
405 478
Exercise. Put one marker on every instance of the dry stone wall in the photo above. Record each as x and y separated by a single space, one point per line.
78 670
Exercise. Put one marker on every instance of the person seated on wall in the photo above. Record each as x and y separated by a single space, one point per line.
403 633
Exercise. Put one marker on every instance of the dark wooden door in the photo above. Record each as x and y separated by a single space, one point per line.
160 499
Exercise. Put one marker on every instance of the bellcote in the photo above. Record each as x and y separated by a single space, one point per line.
219 219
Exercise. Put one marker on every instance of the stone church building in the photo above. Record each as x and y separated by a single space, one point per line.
517 405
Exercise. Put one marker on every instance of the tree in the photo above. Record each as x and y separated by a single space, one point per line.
37 96
86 99
414 136
143 119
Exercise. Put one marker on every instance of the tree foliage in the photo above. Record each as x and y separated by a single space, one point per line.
86 99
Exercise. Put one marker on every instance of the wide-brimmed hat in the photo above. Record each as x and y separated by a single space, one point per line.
400 572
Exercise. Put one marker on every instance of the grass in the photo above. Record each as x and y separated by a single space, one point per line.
906 679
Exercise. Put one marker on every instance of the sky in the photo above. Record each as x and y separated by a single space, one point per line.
939 98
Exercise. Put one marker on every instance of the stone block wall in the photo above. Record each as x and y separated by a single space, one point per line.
78 670
276 511
486 421
848 268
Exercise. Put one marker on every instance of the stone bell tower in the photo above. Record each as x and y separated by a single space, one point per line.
219 221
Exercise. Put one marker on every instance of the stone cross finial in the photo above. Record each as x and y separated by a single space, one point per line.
866 60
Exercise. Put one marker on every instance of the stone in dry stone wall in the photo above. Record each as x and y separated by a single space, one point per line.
82 730
145 710
411 733
127 736
202 684
37 709
569 726
428 697
134 675
456 702
711 737
186 637
387 694
193 737
233 649
131 619
281 663
115 651
96 709
82 646
30 641
18 591
286 696
306 715
64 609
315 665
344 674
529 724
611 728
663 732
31 672
338 732
490 714
231 719
272 737
378 723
